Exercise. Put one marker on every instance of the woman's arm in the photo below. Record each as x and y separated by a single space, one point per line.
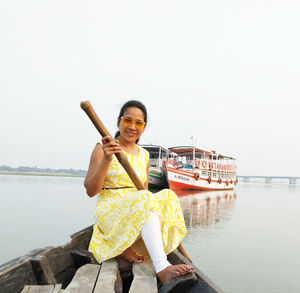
99 163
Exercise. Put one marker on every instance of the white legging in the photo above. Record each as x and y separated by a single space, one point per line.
151 234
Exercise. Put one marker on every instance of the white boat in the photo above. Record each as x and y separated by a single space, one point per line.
189 167
157 169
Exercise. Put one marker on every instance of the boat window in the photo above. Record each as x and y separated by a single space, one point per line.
154 153
182 160
172 155
163 154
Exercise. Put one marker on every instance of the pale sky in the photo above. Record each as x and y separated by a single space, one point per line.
225 72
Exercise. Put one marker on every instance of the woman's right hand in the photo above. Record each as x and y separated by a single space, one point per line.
110 146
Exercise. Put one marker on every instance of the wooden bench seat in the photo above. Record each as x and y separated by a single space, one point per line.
105 278
84 279
42 289
93 278
144 278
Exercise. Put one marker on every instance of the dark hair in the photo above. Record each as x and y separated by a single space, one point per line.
132 103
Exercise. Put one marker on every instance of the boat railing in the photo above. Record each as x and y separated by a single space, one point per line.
214 166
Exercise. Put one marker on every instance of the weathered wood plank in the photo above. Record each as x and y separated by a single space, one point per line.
106 282
17 273
119 283
179 284
13 279
57 288
42 270
82 238
84 279
55 262
144 279
59 264
81 257
59 258
42 289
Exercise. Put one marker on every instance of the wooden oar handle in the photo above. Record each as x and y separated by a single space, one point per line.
87 107
89 110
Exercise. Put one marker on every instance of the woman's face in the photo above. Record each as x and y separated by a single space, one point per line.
131 131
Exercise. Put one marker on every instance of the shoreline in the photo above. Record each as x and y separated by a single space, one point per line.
39 174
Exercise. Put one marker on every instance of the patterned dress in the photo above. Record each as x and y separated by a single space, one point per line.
121 211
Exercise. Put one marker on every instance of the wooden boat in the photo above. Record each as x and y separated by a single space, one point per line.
192 168
157 170
51 266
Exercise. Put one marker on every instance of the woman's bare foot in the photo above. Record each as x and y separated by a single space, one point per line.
131 256
173 271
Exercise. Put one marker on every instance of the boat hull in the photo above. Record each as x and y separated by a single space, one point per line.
184 179
157 178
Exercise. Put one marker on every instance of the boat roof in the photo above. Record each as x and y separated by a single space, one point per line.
190 149
153 146
185 149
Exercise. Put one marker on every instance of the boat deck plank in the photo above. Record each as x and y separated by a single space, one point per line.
144 279
84 279
108 280
42 289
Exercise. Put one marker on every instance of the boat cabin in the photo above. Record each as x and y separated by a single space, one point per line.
157 153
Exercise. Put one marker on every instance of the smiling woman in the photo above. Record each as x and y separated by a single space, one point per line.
136 113
130 224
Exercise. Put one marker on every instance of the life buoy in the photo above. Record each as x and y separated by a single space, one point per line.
231 181
209 179
227 182
196 163
197 176
220 180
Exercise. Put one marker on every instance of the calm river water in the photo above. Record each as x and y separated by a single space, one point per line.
245 241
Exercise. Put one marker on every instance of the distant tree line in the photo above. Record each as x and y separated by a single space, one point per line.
44 170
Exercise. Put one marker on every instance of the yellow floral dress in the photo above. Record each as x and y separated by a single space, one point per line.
122 210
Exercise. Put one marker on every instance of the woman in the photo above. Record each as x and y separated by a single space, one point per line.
131 223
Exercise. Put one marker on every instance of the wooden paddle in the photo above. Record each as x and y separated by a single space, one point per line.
89 110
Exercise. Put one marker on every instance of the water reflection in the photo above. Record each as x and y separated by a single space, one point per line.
201 209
